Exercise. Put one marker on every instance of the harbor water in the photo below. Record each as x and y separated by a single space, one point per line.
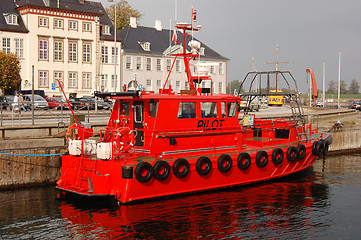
322 202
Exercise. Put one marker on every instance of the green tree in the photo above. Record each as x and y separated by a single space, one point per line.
331 87
343 87
124 13
354 87
9 70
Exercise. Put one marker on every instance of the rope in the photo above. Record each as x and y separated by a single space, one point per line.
33 155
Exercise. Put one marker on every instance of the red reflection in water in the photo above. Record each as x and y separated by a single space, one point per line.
265 210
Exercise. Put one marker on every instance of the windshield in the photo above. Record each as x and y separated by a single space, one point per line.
59 100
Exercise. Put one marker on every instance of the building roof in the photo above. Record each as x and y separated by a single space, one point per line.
159 41
9 7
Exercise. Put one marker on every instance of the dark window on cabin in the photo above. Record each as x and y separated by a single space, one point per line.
124 109
153 108
209 109
282 133
187 110
224 109
232 109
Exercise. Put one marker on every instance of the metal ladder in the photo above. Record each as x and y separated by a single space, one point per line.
298 117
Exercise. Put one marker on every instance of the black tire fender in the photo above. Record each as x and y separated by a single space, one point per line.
224 163
203 166
139 170
181 168
277 156
161 170
301 151
291 154
261 159
243 161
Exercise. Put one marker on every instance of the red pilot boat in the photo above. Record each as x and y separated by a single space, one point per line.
164 144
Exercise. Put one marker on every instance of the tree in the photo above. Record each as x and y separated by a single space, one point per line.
354 87
9 70
331 87
124 13
233 86
343 87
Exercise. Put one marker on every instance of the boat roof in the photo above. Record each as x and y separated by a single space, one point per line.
184 97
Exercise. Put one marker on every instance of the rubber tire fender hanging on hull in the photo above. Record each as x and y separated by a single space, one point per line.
291 154
240 161
277 156
224 158
203 161
138 172
261 159
301 151
157 170
178 165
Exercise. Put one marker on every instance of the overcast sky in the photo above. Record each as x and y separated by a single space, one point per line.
308 32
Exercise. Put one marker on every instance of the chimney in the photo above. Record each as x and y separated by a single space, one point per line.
81 1
158 25
133 22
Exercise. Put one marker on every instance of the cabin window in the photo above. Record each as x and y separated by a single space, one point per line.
209 109
124 109
224 111
232 109
187 110
138 116
153 107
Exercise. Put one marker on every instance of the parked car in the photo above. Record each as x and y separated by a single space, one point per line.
317 103
254 105
84 103
355 105
6 102
39 102
56 102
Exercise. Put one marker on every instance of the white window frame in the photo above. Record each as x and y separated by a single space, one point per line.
115 57
58 50
87 27
106 30
43 79
220 87
72 79
11 19
105 58
159 64
73 46
86 80
169 64
19 47
43 22
149 84
112 80
58 23
58 75
139 63
43 49
221 69
104 80
73 25
86 52
149 63
6 44
128 62
178 66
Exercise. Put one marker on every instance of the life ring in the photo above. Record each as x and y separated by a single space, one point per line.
181 168
82 133
224 163
243 161
124 139
301 151
261 159
161 170
203 166
277 156
291 154
144 172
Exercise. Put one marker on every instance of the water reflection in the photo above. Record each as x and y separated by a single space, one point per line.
321 202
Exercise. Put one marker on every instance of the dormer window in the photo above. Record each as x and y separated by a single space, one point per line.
106 30
201 51
145 46
11 19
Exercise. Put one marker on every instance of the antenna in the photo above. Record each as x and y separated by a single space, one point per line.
277 62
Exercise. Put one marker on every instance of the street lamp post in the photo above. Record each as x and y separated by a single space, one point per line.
115 44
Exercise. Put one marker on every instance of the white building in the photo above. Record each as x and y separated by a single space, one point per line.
69 40
145 57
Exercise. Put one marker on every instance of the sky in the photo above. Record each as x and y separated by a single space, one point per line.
308 33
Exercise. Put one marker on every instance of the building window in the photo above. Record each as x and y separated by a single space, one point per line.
149 84
43 22
177 66
186 86
86 52
43 79
87 27
6 45
58 23
128 63
149 64
116 55
145 46
104 54
106 30
212 71
112 82
220 87
59 76
169 64
72 51
139 63
159 64
221 71
86 80
104 80
159 83
73 25
201 51
72 79
11 19
19 47
43 49
58 50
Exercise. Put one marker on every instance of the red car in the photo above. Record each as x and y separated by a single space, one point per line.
56 102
